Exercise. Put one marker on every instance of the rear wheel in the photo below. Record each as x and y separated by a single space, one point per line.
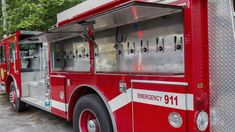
91 115
17 105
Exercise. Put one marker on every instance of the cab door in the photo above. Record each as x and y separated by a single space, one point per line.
3 65
160 106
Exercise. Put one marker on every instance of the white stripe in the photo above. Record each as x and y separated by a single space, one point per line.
183 4
57 76
121 100
160 82
185 101
168 1
162 1
189 102
59 105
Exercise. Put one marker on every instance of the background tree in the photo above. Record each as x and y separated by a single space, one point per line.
34 15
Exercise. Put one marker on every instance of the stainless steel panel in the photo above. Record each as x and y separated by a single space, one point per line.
125 14
153 46
60 35
35 102
71 55
57 34
29 76
222 66
132 12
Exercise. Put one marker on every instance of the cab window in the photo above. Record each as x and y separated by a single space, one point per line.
12 50
2 54
233 7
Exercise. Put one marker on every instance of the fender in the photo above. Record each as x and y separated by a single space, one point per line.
102 97
14 80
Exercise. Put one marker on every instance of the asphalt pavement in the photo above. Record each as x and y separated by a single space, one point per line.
31 120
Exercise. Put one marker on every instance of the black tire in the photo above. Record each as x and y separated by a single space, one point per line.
95 104
19 105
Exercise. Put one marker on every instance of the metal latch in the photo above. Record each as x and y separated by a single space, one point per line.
68 82
122 87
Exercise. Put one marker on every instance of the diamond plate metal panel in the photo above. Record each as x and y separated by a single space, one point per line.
222 66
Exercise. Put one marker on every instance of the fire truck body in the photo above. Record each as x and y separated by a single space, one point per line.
113 57
123 65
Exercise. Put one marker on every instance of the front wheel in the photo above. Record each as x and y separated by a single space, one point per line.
91 115
17 105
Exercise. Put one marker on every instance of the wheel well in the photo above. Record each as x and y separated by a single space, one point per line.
78 93
8 83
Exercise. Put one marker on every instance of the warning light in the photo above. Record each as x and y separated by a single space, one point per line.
202 121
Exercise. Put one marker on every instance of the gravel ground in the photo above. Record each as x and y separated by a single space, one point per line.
32 120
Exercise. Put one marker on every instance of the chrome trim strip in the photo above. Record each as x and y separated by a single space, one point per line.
57 76
161 82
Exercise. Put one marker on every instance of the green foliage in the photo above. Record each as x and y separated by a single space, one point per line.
34 14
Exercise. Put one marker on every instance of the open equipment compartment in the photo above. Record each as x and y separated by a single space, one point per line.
35 71
153 30
139 37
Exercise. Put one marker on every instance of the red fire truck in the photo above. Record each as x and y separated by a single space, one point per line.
124 65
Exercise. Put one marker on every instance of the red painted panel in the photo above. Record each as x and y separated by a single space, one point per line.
152 117
58 87
196 55
123 118
59 113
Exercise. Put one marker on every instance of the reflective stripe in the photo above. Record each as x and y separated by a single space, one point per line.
168 1
164 99
162 1
189 102
59 105
121 100
157 98
57 76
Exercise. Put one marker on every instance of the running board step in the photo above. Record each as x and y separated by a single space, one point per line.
35 102
2 92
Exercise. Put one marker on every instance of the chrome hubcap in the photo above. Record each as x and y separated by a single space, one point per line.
92 125
88 122
12 97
